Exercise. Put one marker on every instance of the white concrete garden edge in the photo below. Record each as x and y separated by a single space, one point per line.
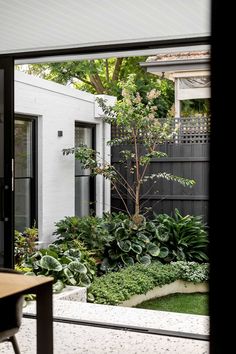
178 286
72 293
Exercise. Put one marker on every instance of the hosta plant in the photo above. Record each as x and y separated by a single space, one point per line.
69 264
185 236
130 243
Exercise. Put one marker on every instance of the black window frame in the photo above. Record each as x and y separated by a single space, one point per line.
34 178
92 179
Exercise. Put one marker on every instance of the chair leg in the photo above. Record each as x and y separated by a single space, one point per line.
14 344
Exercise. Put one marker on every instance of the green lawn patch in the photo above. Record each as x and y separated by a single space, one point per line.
186 303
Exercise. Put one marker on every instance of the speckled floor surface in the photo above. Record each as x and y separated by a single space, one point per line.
73 339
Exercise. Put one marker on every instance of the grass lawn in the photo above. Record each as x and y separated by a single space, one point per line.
187 303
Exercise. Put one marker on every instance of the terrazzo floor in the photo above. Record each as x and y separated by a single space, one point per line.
73 339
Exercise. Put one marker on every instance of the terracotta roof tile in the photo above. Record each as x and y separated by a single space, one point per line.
179 56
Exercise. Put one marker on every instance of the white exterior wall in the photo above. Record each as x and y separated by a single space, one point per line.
57 108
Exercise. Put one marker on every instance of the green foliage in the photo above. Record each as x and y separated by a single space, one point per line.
130 243
103 76
91 230
118 241
184 236
115 288
25 243
69 263
143 132
195 108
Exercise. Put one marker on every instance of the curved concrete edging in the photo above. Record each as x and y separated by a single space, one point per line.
178 286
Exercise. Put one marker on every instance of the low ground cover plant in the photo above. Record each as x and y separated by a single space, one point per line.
114 288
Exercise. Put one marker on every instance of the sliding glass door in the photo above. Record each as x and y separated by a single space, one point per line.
1 166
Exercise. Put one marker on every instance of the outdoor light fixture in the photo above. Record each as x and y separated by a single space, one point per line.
59 133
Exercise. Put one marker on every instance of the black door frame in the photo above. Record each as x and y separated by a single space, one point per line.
7 64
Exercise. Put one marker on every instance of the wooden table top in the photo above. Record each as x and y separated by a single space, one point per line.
11 284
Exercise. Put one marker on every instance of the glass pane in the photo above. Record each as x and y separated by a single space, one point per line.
195 108
82 196
83 136
195 82
23 148
22 204
1 164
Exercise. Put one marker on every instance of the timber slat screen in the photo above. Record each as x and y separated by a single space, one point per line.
188 157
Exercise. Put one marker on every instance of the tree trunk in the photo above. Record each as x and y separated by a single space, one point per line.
137 200
116 71
97 83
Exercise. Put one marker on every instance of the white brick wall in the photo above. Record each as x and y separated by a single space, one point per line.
57 108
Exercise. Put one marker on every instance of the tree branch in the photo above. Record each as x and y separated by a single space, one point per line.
126 208
95 78
83 80
97 83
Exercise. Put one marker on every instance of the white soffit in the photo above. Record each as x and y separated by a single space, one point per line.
33 25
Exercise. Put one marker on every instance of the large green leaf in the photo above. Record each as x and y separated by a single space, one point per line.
136 248
143 237
163 252
120 233
49 253
125 245
84 280
68 273
153 249
53 247
50 263
58 286
77 267
127 260
65 260
73 252
69 277
144 259
161 234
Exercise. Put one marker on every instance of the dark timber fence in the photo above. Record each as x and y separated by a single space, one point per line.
188 157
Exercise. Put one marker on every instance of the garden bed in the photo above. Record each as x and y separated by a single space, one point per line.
178 286
142 281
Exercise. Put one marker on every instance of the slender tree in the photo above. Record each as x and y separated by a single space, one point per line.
143 133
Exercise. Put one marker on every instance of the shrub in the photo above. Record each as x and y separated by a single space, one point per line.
89 229
184 236
115 288
25 243
68 263
129 243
